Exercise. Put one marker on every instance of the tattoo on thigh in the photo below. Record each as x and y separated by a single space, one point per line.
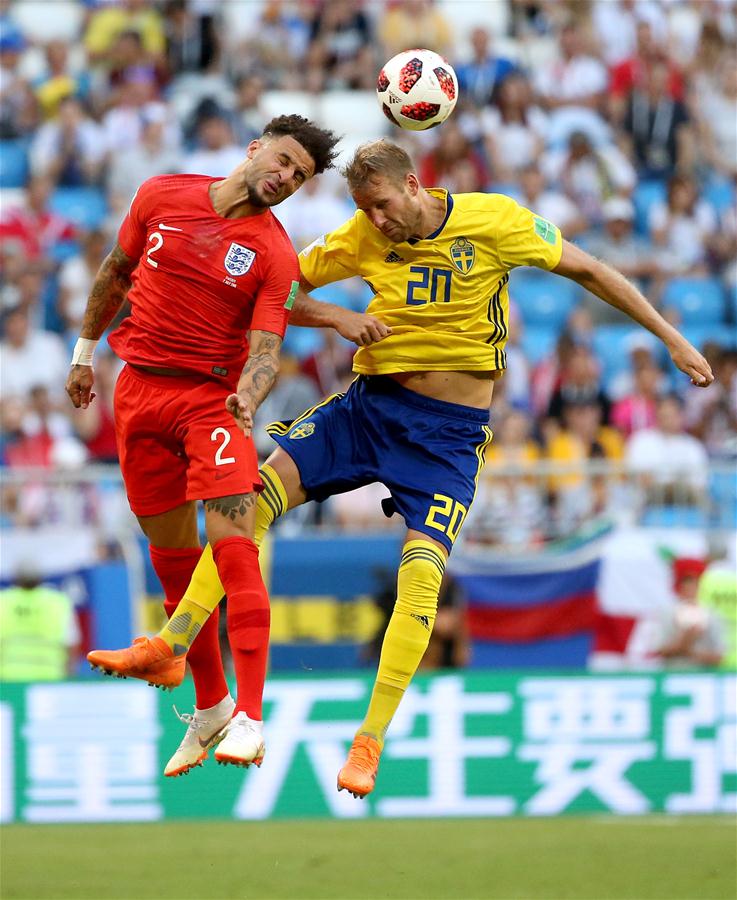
231 507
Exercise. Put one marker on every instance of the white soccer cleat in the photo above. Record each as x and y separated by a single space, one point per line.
206 728
243 743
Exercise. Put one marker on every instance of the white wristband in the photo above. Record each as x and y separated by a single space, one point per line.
84 350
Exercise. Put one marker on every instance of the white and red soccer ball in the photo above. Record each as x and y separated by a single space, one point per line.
417 89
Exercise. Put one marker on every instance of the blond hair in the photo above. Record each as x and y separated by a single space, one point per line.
377 158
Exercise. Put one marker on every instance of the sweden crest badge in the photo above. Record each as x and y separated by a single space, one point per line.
463 255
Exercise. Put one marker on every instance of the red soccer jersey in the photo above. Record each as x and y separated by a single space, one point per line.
203 281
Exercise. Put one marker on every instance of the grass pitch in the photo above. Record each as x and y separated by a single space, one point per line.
592 858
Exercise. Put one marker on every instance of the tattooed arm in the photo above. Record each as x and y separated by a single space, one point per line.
108 293
257 378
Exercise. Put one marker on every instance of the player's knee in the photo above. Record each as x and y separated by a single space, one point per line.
231 516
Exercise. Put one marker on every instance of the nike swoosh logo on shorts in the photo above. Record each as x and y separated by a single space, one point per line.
163 227
220 475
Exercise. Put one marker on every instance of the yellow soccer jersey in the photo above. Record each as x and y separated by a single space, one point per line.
445 297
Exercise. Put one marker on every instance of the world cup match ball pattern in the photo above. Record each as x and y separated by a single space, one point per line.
417 89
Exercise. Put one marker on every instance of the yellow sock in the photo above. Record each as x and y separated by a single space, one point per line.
272 502
184 625
408 633
203 594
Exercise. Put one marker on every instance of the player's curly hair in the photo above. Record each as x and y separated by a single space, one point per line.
377 158
318 142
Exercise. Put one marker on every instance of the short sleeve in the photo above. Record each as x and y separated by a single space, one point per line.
132 232
276 295
331 257
526 239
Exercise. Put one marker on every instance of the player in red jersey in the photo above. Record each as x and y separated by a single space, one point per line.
210 275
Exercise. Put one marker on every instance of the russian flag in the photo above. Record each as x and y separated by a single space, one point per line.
531 611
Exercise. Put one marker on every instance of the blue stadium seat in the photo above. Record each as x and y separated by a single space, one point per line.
64 250
85 206
699 301
13 163
612 347
720 193
674 517
698 335
538 342
645 195
543 299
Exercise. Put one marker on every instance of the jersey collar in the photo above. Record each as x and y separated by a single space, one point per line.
437 192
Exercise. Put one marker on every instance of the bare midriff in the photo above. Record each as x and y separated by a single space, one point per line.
467 388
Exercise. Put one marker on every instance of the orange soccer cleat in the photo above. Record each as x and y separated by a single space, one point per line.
358 775
151 660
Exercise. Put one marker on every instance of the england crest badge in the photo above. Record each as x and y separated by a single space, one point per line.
238 259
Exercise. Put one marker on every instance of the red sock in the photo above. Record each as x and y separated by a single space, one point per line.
248 619
174 568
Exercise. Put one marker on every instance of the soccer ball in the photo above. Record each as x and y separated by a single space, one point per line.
417 89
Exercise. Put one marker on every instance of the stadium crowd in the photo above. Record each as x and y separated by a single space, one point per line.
615 119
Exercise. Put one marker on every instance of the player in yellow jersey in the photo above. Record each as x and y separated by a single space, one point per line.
416 417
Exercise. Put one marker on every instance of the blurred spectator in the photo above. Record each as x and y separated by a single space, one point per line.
635 73
75 280
292 394
133 109
690 635
45 437
658 126
340 54
576 78
547 375
449 646
480 77
34 228
514 129
108 22
70 149
39 633
192 43
549 203
514 386
30 357
506 482
217 154
636 411
672 464
578 383
682 226
247 115
312 211
329 366
590 175
716 112
414 23
129 63
277 51
18 106
711 416
153 154
717 593
95 426
437 168
59 80
616 24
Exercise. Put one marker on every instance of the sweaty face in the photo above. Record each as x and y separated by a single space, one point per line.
277 167
390 206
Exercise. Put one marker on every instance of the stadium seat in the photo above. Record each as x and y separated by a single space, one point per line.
720 193
13 163
698 335
645 195
543 299
612 347
699 301
85 206
63 250
538 342
674 517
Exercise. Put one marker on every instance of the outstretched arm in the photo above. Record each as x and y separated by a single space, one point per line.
360 328
108 293
613 288
257 378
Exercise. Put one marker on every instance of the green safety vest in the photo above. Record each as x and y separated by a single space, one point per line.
718 592
34 634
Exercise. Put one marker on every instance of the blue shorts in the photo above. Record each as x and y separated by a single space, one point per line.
427 452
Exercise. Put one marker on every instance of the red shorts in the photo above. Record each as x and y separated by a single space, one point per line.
177 442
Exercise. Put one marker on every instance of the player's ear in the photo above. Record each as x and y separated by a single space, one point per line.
252 148
413 183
